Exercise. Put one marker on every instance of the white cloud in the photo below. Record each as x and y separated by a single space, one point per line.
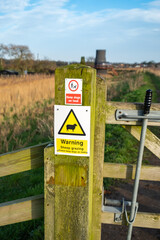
47 13
136 15
16 5
34 22
154 3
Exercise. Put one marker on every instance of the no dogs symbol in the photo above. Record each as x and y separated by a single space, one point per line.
73 85
71 125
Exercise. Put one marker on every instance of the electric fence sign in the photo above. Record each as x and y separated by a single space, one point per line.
72 130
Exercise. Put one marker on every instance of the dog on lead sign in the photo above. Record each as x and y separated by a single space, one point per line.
73 91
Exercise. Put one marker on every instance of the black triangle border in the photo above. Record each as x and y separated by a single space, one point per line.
78 123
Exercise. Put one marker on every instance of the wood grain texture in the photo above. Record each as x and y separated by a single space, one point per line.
127 171
49 192
111 107
152 142
68 193
22 160
144 220
99 142
21 210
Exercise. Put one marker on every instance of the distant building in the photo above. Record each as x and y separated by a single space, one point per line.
100 62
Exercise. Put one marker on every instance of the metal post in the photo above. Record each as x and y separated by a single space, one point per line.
147 105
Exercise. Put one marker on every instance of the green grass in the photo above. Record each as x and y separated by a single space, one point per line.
28 128
31 230
22 185
139 94
35 126
124 84
121 147
155 80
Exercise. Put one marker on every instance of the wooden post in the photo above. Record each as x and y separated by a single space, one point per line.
99 142
69 179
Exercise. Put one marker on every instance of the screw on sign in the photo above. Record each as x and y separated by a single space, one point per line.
73 85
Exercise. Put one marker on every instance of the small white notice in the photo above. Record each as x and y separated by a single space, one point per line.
73 91
72 130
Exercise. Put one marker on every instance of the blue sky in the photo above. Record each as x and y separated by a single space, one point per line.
68 29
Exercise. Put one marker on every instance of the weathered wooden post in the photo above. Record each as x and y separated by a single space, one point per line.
73 184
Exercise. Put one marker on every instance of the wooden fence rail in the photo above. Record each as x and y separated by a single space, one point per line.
21 210
70 176
127 171
144 220
22 160
33 208
15 162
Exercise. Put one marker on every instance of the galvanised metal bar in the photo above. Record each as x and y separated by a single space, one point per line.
147 105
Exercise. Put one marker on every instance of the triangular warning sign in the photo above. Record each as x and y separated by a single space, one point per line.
71 125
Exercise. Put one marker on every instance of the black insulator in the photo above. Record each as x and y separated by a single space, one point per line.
147 101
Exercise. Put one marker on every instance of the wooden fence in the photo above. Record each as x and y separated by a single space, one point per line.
73 211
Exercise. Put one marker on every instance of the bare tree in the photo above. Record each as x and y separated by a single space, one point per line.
91 59
21 55
20 52
3 53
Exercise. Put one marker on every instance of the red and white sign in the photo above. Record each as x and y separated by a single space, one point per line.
73 91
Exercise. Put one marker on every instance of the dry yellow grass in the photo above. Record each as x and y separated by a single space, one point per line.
17 92
154 71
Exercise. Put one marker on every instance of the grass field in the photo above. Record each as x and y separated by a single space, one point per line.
155 71
33 124
19 92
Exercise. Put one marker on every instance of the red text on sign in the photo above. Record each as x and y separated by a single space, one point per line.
73 99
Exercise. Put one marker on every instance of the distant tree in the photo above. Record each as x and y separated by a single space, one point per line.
144 62
21 52
151 63
20 58
3 53
21 55
91 59
61 63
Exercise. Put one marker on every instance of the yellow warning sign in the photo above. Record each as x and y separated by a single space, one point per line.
72 130
71 126
71 146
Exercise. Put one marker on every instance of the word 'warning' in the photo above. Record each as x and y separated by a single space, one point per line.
72 130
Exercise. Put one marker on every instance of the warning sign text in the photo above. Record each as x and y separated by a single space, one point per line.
72 130
71 146
73 99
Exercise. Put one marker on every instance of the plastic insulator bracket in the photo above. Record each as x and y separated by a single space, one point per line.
147 101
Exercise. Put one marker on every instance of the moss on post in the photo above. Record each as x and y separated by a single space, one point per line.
69 185
83 60
98 161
